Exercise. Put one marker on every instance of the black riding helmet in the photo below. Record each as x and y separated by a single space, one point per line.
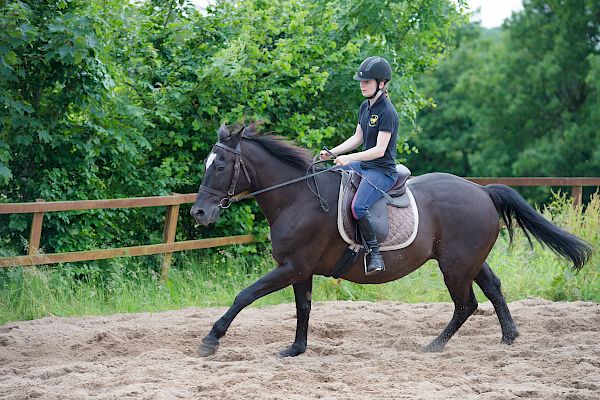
374 68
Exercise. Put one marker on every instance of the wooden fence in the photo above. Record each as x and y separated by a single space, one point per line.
167 247
172 202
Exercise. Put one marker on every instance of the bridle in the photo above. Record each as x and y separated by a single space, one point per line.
228 198
238 165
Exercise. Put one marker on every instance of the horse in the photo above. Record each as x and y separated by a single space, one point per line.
459 222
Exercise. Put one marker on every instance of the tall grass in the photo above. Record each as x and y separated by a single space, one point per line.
209 278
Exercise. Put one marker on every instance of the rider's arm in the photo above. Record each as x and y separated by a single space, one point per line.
383 139
351 143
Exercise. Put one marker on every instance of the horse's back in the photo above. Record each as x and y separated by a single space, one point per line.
443 191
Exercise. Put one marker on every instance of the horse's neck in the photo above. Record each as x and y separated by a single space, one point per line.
270 171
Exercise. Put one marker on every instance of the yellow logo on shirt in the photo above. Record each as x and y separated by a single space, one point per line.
373 120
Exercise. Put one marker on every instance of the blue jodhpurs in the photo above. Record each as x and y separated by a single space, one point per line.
367 195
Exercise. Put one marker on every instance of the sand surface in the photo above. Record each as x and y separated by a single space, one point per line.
357 350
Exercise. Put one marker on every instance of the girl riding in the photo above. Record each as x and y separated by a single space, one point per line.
377 131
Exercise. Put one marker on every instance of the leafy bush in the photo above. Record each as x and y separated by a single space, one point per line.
114 98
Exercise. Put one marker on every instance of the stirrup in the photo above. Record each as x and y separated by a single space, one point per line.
373 271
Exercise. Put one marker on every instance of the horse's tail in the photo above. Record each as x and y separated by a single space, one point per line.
511 206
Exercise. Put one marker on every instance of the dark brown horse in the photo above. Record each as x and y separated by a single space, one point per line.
458 227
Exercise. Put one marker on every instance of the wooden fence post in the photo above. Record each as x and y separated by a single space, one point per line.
36 231
576 193
169 237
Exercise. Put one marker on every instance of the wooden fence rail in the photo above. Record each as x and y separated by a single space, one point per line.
575 183
172 203
168 247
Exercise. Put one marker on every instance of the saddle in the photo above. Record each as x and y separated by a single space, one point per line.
394 216
395 219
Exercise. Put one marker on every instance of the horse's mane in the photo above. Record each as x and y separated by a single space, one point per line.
280 147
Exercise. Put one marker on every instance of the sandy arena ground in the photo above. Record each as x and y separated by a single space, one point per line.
357 350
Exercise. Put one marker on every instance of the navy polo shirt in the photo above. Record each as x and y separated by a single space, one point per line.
381 116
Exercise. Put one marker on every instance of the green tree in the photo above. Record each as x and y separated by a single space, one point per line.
520 102
554 98
66 132
447 139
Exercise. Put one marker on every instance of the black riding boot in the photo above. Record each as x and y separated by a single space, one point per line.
366 228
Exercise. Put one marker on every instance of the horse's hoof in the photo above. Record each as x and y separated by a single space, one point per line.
208 347
292 351
510 338
433 348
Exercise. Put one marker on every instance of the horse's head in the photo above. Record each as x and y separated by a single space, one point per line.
225 176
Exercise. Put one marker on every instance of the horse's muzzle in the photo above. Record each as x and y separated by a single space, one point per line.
204 216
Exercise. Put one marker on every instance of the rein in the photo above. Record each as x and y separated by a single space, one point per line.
229 197
302 178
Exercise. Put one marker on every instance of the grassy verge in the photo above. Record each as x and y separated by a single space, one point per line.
206 279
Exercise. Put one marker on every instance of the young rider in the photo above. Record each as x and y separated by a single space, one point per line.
377 130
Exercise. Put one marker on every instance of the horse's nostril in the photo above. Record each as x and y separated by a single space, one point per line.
197 212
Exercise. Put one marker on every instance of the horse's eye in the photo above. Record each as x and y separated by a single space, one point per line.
220 169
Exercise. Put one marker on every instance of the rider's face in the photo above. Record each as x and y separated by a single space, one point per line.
368 87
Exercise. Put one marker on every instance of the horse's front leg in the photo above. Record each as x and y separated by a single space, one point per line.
282 276
302 292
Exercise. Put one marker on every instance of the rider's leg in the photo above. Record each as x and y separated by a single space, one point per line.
365 197
376 263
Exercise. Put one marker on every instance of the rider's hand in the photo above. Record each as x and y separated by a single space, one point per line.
343 160
324 155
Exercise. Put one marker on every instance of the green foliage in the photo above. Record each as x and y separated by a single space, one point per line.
520 101
68 132
114 98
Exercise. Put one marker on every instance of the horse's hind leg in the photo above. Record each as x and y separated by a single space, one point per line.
490 285
465 303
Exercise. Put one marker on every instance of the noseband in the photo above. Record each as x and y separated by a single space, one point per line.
239 164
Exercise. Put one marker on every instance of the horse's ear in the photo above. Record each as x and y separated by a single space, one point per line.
230 135
237 129
223 133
